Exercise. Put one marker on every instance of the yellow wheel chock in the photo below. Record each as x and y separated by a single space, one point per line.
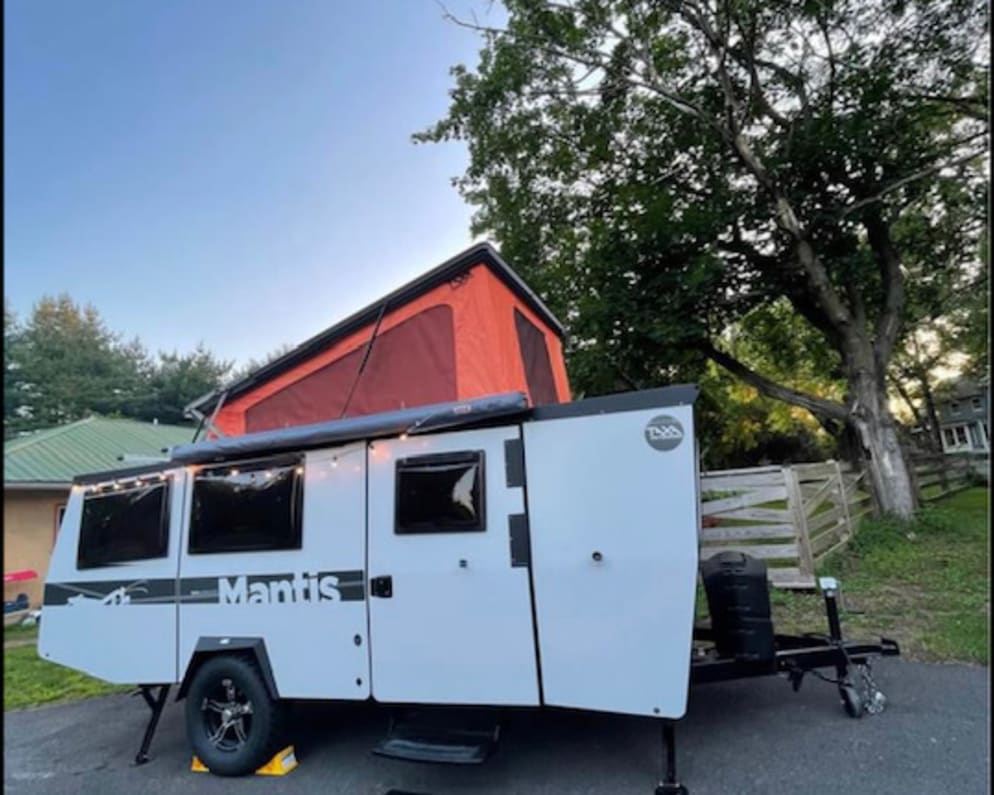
279 765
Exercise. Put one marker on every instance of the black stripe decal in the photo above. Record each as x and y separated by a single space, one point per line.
520 545
514 462
345 586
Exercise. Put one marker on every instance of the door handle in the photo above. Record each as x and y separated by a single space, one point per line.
381 587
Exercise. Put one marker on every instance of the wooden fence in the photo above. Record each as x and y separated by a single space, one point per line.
788 516
938 475
792 516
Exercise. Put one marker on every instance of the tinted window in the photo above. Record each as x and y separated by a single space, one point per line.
118 526
535 358
440 493
242 508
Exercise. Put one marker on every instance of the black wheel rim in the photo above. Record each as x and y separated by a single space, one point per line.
227 713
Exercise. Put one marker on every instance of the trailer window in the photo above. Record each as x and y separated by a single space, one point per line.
247 508
440 493
119 526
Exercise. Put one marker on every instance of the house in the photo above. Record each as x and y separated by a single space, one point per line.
467 328
37 475
963 417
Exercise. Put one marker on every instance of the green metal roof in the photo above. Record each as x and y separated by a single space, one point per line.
57 455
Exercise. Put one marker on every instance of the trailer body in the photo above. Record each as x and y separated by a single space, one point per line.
474 553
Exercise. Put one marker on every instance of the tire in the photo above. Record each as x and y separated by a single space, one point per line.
233 725
851 701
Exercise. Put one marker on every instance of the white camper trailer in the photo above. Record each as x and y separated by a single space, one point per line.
469 553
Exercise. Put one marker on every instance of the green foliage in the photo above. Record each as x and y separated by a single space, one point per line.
674 177
68 364
177 379
254 364
739 427
64 364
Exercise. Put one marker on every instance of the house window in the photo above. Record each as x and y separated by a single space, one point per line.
949 436
247 507
977 403
954 407
960 434
440 494
119 526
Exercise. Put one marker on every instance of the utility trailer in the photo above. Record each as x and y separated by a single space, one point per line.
480 554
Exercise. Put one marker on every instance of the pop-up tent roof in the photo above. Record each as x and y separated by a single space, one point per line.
468 328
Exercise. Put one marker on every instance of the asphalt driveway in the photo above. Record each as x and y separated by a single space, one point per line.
741 737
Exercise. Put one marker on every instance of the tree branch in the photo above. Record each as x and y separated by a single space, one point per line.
974 107
596 60
908 401
898 184
814 404
892 283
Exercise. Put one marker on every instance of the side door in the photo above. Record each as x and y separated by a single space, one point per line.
275 549
450 601
614 509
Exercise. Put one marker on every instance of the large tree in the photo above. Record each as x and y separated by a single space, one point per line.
178 379
661 169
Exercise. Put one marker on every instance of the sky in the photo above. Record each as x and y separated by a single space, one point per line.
234 172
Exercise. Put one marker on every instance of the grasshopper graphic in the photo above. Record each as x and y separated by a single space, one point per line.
119 596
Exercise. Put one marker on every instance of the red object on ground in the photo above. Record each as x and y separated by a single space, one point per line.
466 329
20 576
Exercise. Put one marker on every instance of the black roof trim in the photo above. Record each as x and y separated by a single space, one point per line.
438 416
478 254
661 397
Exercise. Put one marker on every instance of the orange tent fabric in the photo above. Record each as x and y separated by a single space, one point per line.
466 329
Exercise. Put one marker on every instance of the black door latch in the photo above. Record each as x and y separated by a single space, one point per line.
381 587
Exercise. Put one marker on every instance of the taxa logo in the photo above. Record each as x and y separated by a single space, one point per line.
664 432
279 588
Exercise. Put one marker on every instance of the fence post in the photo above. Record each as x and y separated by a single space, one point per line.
795 503
850 530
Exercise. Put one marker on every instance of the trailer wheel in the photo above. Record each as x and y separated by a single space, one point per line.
232 723
851 701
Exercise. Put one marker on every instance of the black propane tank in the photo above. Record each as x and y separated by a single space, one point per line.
739 603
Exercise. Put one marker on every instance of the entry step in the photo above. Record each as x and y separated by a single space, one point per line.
444 736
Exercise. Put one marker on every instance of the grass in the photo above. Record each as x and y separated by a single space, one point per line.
20 632
29 681
924 583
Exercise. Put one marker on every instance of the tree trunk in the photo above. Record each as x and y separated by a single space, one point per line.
887 467
866 414
933 415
